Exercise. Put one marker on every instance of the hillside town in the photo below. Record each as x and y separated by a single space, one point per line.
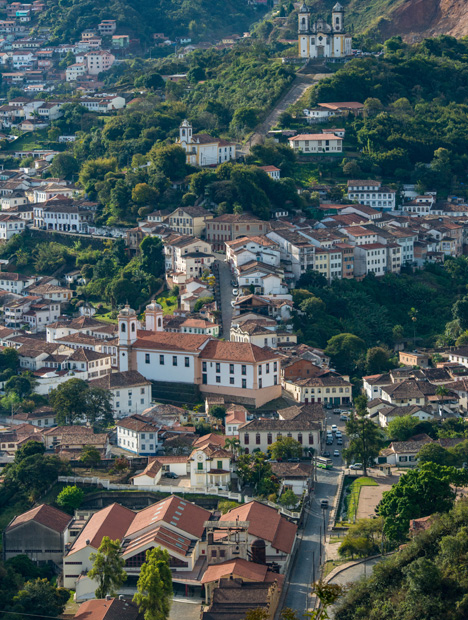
233 338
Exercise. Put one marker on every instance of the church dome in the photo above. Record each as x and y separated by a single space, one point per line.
153 307
127 311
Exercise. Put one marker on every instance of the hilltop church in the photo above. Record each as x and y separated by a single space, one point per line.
320 39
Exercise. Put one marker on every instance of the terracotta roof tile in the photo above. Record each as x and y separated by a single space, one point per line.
45 515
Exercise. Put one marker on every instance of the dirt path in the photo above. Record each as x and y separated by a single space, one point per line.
295 92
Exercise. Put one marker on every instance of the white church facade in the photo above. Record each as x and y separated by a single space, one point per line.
238 371
202 149
321 40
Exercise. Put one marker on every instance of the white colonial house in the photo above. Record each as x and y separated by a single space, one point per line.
262 433
316 143
130 392
204 150
138 435
210 466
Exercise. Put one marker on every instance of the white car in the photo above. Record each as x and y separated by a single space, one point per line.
235 291
336 453
338 434
334 428
356 466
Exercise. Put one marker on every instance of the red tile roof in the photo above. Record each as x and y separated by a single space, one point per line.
112 521
237 568
112 609
46 515
175 511
236 352
265 523
170 341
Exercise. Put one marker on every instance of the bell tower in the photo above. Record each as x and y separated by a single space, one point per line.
338 18
185 132
128 326
154 318
304 19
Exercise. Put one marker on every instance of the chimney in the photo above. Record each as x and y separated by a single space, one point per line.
258 551
108 597
121 597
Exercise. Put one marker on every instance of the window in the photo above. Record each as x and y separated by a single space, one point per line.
218 379
257 439
269 439
200 466
147 358
311 439
161 360
143 447
231 380
267 368
260 370
275 365
246 439
299 438
244 383
244 369
220 464
204 366
231 369
204 378
260 384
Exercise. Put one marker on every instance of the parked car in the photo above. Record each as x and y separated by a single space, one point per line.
356 466
339 441
235 291
336 411
171 474
344 417
294 460
338 434
334 428
329 441
324 503
328 406
336 453
326 454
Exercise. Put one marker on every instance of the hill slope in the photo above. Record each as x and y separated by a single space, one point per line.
413 19
196 18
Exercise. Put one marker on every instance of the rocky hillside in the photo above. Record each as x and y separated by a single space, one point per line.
413 19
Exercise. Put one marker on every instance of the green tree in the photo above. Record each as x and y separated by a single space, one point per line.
365 440
69 401
419 493
345 350
460 312
144 194
108 568
435 453
154 588
218 412
98 407
402 428
49 257
285 448
169 160
64 166
40 597
377 360
90 455
363 538
233 445
152 257
21 385
70 498
29 449
288 499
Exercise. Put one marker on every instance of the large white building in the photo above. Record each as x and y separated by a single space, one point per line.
202 149
241 372
318 143
321 40
372 193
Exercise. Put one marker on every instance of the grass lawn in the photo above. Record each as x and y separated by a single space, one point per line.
168 302
352 499
29 140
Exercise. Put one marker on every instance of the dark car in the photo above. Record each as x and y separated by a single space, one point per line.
324 503
339 441
294 460
326 454
329 441
170 474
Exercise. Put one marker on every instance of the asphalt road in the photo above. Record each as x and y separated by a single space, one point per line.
224 295
310 555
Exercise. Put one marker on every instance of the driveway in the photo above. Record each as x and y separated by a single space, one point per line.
224 296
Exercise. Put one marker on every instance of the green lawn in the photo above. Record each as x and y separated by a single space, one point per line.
29 140
352 500
168 302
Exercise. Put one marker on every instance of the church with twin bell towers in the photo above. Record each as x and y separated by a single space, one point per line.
321 40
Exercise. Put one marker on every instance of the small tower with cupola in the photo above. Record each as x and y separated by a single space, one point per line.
154 318
128 326
185 132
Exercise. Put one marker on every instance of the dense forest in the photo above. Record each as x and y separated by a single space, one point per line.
427 308
194 18
427 579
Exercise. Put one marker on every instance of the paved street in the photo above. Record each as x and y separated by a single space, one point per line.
225 295
310 553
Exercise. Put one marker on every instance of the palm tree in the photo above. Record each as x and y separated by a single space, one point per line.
233 445
442 391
